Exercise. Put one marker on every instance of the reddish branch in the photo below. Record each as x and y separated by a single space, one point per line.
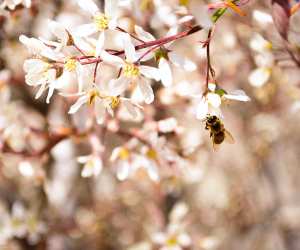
156 43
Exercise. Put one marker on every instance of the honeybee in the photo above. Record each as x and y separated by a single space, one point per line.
218 133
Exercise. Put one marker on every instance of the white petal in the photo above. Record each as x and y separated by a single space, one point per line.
111 7
150 72
88 6
129 48
259 77
99 111
202 109
184 240
165 72
152 171
40 91
182 62
142 34
83 159
100 43
85 30
118 86
123 170
34 66
214 100
146 91
98 165
113 23
87 171
84 76
59 31
238 95
80 101
111 59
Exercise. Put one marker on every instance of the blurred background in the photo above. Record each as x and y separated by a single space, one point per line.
242 196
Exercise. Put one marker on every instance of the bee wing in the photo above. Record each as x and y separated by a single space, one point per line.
229 138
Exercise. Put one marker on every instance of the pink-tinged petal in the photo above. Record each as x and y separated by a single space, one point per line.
111 8
150 72
182 62
202 109
132 109
142 34
123 170
115 153
146 90
111 59
165 72
88 6
129 48
118 86
99 111
76 106
85 30
100 43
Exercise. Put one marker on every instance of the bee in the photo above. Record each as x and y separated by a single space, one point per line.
218 133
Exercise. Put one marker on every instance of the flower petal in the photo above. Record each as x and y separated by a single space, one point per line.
259 77
100 44
214 100
99 111
238 95
80 101
150 72
146 91
111 7
111 59
129 48
202 109
142 34
118 86
165 72
85 30
123 170
88 6
182 62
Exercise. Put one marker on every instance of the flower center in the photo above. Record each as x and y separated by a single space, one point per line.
101 22
172 241
131 70
70 65
124 154
151 154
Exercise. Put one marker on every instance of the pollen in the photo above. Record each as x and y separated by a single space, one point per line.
151 154
124 154
92 96
131 70
172 241
114 101
70 65
101 22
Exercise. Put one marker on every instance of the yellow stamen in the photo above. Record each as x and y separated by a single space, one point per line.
92 96
114 101
70 65
235 8
151 154
172 241
131 70
101 22
124 154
